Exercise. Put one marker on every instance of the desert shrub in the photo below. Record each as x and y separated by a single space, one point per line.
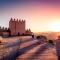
38 37
41 36
0 41
51 42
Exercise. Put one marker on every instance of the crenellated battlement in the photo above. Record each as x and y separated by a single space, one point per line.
17 20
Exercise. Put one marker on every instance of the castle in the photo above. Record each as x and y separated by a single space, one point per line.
16 27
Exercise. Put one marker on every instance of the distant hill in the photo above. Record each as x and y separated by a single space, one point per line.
49 35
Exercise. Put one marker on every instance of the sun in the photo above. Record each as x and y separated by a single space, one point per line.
55 26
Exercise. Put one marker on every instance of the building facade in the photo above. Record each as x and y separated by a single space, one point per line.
17 27
4 31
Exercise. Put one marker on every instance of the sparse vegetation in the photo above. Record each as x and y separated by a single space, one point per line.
0 41
38 37
42 37
51 42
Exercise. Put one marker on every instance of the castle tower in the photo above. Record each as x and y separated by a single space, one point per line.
12 26
16 26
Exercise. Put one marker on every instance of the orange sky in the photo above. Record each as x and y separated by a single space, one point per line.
38 16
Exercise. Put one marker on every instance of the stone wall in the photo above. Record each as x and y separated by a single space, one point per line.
17 26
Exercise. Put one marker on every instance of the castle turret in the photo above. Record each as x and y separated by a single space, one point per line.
17 20
17 26
11 19
14 19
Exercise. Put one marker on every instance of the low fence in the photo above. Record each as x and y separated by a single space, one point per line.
9 51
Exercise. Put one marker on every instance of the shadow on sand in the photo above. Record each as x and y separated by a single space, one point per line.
39 52
58 49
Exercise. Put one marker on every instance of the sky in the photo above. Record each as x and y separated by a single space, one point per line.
40 15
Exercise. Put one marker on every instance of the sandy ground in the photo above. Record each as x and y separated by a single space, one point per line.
30 50
13 39
8 45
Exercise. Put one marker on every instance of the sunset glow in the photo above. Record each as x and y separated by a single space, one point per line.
55 26
40 15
